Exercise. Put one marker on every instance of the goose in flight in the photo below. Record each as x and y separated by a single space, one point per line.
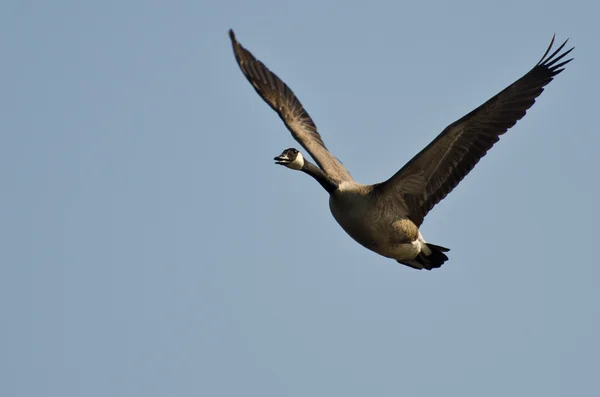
385 217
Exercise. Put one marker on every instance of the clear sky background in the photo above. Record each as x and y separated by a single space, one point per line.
150 247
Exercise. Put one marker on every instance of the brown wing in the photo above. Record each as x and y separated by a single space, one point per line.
281 98
429 176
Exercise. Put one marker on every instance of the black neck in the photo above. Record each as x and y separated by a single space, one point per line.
320 176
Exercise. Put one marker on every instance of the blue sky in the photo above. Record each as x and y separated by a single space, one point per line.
151 247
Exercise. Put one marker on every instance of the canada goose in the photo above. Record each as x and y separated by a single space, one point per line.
385 217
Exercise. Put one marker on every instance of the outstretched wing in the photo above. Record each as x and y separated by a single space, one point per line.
429 176
281 98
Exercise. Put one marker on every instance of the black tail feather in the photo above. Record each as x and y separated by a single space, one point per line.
429 262
433 247
436 259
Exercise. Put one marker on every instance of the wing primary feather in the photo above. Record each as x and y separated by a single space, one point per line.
548 49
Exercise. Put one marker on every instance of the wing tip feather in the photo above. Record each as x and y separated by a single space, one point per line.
549 60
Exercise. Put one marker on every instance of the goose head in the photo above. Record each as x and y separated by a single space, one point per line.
290 158
294 160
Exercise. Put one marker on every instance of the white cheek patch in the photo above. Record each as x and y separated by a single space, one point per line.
298 163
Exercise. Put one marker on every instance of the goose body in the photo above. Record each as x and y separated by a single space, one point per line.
385 217
375 223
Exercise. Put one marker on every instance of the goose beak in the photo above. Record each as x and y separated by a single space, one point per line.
281 159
